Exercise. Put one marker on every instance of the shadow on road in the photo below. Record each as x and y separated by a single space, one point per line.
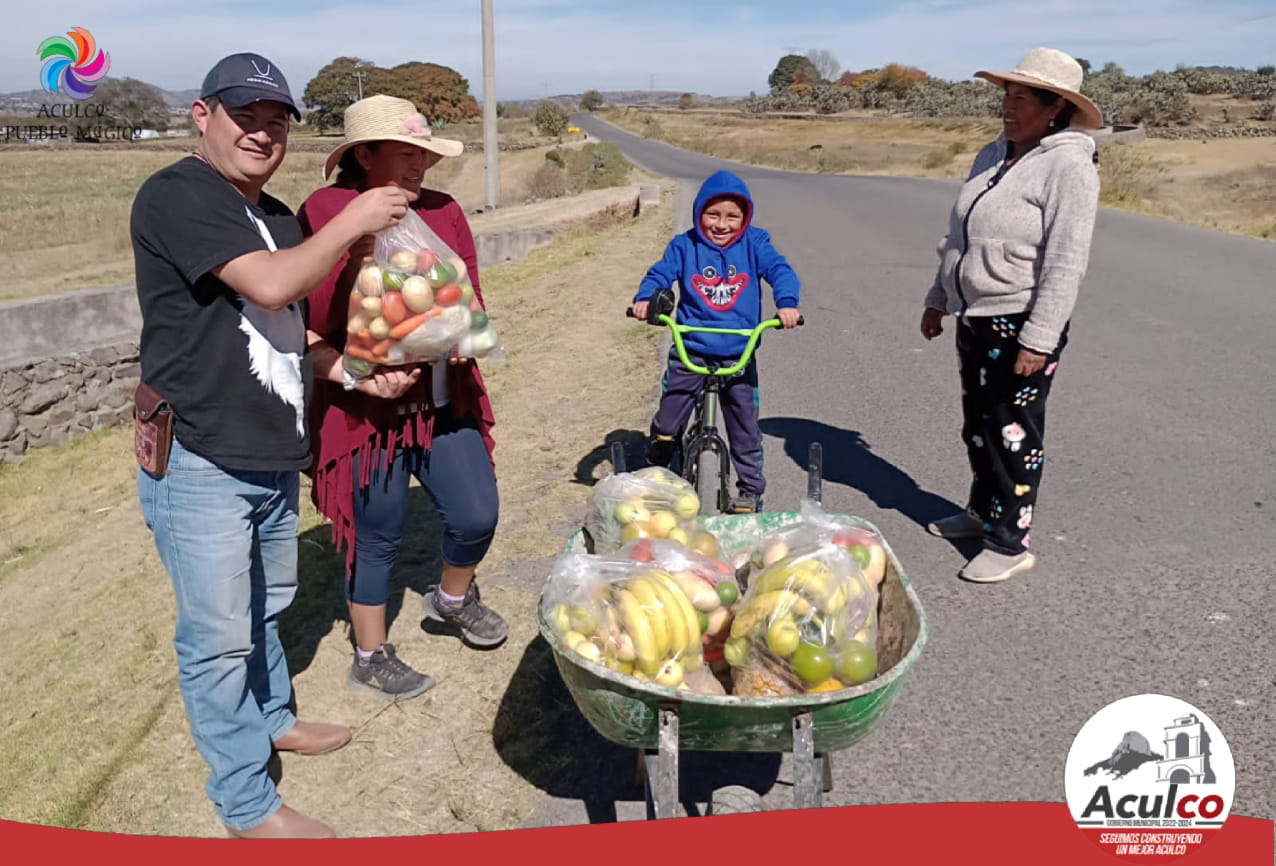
541 735
849 460
321 573
633 441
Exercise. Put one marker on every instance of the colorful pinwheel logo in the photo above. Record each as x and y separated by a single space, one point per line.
73 64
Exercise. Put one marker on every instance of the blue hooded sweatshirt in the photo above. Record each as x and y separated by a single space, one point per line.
719 287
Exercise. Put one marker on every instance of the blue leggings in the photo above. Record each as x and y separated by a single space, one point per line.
457 473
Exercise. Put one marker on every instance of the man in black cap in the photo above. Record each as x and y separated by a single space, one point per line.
221 271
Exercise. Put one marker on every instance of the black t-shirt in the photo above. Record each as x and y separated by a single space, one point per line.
237 375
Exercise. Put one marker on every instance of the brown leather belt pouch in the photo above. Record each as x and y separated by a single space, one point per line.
153 430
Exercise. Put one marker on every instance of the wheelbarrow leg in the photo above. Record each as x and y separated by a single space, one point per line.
815 473
617 457
661 769
807 787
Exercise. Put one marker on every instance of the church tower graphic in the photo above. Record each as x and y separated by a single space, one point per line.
1187 753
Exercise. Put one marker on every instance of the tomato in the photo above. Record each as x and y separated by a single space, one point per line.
393 310
446 296
812 662
641 552
858 663
425 260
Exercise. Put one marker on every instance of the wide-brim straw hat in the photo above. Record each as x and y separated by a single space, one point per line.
388 118
1057 72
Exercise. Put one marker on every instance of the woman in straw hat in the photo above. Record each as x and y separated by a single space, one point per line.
1017 248
433 423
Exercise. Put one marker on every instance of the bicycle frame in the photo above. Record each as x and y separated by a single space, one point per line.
702 432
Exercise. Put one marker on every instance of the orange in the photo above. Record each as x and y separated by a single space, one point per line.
829 685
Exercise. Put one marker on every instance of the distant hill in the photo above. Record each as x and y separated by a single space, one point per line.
28 102
631 97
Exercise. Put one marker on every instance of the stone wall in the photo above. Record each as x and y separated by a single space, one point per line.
52 401
1189 132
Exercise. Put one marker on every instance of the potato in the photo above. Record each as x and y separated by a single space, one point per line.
371 307
379 328
357 324
404 261
369 282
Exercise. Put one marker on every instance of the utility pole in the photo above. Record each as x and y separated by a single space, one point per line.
359 76
491 140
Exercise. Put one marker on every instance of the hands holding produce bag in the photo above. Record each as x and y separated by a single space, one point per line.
412 302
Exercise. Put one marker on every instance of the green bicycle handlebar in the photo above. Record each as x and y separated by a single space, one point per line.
754 334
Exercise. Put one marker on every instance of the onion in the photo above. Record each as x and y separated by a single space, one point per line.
369 282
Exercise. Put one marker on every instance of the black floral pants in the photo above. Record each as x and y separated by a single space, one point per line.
1004 426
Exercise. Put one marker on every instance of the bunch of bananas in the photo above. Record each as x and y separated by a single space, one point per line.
648 629
810 619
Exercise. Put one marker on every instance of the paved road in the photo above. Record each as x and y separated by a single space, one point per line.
1157 524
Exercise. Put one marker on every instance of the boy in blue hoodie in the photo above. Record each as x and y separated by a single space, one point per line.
718 265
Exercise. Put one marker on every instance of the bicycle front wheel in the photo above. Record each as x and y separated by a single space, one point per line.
708 484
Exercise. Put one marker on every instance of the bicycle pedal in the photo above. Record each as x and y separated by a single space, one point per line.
746 505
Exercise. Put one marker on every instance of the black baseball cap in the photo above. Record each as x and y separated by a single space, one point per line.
242 79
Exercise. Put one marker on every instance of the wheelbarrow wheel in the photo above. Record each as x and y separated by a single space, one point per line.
735 800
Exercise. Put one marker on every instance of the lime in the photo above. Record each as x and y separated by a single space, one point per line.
728 592
860 554
858 663
393 280
812 663
704 621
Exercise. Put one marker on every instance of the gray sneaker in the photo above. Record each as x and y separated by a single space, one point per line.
479 624
960 525
386 677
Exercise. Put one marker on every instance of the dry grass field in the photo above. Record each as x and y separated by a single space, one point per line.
65 221
1227 184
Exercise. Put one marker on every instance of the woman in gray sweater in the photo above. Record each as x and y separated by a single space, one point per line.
1016 251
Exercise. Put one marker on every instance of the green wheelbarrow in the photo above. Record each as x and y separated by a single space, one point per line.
659 721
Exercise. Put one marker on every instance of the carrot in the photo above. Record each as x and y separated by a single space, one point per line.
383 348
407 326
365 336
365 354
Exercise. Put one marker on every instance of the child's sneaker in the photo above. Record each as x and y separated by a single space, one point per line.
386 677
660 450
478 623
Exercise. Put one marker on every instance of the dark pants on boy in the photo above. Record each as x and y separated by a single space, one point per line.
738 404
1004 426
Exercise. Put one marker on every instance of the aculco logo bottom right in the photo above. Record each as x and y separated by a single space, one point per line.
1150 778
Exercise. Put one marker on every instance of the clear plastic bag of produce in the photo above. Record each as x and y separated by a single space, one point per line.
649 503
629 616
808 623
412 303
815 527
709 583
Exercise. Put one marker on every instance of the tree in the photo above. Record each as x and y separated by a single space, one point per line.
591 100
550 118
438 92
792 68
1085 65
333 89
848 79
686 101
825 63
132 103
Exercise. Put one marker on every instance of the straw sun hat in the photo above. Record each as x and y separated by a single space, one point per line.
388 118
1057 72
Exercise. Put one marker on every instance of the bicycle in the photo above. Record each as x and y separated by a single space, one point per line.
703 454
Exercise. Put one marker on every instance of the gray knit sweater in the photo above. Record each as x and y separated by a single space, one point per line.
1025 244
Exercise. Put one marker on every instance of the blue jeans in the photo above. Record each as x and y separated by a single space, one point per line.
457 473
228 540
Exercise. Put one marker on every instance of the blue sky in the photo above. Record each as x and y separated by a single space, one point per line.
550 46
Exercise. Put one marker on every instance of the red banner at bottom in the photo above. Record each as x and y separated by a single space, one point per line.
991 833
